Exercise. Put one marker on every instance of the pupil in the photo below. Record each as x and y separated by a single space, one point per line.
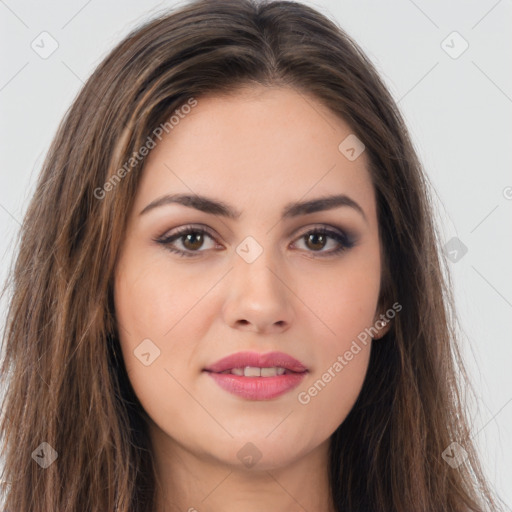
189 240
314 237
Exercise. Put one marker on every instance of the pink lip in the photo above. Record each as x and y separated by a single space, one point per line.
258 388
243 359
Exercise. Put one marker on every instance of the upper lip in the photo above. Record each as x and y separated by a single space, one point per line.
255 359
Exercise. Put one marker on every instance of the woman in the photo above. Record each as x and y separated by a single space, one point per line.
228 291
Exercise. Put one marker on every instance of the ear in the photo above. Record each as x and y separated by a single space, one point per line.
382 324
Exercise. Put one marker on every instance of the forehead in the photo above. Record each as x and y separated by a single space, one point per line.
257 144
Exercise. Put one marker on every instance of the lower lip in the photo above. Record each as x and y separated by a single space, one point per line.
257 388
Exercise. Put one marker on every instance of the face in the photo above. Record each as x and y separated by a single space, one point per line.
250 270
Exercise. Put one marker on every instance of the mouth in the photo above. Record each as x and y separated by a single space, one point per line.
255 376
255 371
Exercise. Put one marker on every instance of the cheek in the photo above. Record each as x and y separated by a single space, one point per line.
147 307
342 347
151 298
333 390
345 305
156 312
344 297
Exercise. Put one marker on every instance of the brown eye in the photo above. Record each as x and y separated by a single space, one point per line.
187 241
315 241
193 241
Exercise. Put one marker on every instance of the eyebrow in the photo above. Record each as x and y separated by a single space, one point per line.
214 207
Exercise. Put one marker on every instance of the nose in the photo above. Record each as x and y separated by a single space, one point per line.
259 297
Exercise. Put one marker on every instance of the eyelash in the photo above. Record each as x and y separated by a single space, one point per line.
346 242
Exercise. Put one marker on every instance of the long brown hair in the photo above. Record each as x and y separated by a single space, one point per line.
66 384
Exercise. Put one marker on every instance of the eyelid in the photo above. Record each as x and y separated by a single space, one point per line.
349 233
185 229
345 238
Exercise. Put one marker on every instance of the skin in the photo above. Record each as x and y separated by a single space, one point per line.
256 150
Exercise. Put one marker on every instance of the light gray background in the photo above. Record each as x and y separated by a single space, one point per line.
458 111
